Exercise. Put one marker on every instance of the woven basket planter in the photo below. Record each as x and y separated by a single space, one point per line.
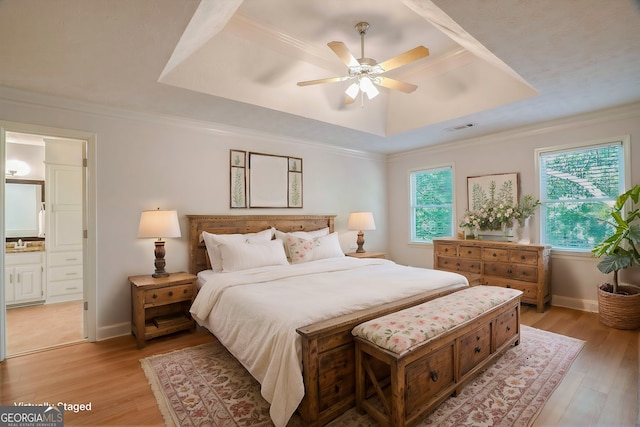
619 311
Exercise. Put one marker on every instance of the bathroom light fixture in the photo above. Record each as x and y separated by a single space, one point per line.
17 168
159 224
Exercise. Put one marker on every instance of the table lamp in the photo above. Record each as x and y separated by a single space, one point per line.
361 221
159 224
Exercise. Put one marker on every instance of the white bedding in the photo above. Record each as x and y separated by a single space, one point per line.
255 313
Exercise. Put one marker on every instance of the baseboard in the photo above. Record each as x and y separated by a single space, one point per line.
113 331
575 303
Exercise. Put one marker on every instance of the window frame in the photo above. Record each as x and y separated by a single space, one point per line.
412 217
625 141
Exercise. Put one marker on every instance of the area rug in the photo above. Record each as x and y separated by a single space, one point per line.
206 386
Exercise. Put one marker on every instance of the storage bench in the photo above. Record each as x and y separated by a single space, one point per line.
410 361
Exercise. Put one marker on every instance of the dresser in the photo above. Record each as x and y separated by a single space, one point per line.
511 265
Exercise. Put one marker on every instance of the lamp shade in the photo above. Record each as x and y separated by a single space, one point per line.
361 221
159 224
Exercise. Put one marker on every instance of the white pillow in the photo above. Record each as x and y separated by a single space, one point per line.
309 235
304 250
242 256
212 241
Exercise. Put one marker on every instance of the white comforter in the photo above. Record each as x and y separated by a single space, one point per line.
255 313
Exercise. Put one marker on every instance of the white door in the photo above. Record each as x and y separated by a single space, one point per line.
87 216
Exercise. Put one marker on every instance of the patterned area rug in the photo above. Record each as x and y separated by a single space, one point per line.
206 386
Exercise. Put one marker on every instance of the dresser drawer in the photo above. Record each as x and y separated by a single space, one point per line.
529 290
445 249
493 254
459 264
64 258
469 252
524 257
511 271
73 272
168 295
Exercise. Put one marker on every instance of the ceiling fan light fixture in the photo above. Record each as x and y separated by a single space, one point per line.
368 71
367 86
352 90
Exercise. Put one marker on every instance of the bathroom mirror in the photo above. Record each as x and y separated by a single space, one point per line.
24 199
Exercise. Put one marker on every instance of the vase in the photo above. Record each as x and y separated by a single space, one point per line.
500 235
522 232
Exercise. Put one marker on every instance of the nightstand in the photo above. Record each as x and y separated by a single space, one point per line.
367 254
160 306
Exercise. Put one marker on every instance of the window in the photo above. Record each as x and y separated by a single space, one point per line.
577 188
431 204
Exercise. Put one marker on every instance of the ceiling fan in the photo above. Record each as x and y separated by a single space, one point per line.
368 73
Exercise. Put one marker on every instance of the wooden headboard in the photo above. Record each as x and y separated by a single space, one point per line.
240 224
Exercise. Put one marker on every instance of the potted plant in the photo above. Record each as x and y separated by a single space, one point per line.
619 304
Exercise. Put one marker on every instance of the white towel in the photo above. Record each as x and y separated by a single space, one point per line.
41 223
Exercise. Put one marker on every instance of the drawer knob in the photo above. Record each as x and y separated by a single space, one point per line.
477 349
154 296
494 254
477 338
434 376
508 328
185 291
170 293
522 256
508 286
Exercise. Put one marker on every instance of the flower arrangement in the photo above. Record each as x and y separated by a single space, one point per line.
497 210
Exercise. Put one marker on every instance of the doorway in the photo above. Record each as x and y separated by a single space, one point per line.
59 296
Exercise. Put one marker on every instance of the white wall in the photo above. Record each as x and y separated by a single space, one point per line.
574 277
145 162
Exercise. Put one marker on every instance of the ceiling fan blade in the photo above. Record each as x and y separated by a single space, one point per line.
349 100
327 80
344 54
395 84
404 58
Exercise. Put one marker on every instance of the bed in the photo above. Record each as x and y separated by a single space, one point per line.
305 357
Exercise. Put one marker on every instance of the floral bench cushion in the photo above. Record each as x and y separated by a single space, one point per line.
401 331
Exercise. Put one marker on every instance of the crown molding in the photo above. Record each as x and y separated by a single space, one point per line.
615 113
25 98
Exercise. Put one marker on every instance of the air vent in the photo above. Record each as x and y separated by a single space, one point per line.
464 126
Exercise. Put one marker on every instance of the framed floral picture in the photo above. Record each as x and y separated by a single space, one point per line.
492 189
238 184
294 197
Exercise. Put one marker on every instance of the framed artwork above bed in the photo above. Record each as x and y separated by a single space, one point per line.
261 180
238 185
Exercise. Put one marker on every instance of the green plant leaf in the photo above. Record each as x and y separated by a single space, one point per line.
613 262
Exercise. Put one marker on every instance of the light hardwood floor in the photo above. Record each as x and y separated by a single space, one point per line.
43 326
601 388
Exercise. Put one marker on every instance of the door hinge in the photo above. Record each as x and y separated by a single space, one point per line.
86 305
84 162
85 234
